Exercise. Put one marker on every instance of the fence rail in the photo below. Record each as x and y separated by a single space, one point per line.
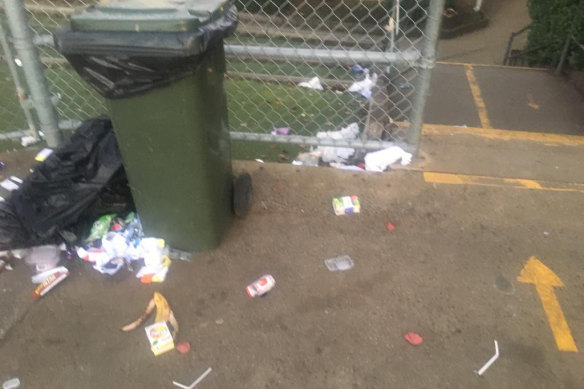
278 45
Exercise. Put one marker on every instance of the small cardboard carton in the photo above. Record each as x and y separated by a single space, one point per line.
160 338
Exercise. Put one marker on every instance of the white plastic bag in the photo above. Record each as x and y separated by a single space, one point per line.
378 161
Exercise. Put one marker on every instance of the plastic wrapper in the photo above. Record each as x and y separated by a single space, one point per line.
123 64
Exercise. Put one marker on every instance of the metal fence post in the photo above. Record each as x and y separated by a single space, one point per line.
426 65
33 70
16 80
564 54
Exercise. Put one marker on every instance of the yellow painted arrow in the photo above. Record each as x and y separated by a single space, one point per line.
535 272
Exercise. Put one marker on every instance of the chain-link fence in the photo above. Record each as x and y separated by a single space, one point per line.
361 58
14 115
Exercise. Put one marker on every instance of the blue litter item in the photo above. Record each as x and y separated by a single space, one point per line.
357 69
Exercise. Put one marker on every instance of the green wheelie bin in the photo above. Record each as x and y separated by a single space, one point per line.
160 65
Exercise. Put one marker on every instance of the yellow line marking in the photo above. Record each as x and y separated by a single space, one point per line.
517 183
544 279
478 99
489 133
485 65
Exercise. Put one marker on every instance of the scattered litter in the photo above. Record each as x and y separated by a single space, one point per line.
219 321
7 261
49 283
413 338
2 165
346 205
482 370
110 267
160 339
346 167
405 85
341 263
380 160
163 314
389 225
100 227
306 159
115 241
261 286
337 154
280 131
12 383
43 154
546 234
40 277
9 185
197 381
43 257
28 140
357 69
179 254
364 86
259 160
156 262
183 347
5 266
314 83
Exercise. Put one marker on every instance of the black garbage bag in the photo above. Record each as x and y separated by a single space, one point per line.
120 64
79 181
12 232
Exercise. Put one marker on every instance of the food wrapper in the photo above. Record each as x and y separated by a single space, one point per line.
160 338
346 205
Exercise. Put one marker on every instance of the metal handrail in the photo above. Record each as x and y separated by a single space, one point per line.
510 43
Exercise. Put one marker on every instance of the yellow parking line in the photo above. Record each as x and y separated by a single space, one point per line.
478 99
489 133
485 65
517 183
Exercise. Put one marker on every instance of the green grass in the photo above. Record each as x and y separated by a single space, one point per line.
11 115
253 107
257 107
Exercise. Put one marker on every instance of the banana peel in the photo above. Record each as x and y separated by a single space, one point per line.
163 313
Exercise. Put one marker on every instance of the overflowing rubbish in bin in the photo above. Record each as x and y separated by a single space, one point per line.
128 47
77 203
160 65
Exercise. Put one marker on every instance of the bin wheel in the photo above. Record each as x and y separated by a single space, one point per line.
242 192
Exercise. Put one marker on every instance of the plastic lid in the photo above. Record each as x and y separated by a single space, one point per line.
149 15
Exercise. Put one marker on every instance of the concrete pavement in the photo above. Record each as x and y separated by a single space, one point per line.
502 97
448 272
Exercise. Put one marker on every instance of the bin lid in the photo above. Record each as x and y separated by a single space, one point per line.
149 15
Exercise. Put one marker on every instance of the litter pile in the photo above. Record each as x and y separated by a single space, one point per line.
47 218
363 86
115 241
344 157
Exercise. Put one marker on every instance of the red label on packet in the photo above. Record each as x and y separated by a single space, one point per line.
49 283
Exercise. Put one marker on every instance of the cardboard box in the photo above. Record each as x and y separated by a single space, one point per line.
160 338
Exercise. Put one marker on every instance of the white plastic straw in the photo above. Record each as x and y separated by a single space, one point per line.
201 378
490 361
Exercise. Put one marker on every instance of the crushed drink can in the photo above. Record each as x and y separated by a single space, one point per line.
260 286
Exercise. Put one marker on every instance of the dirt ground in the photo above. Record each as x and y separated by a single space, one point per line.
448 272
